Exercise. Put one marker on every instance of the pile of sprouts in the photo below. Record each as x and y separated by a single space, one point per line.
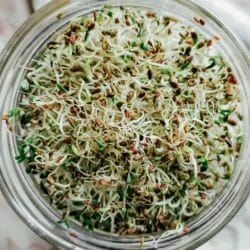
130 120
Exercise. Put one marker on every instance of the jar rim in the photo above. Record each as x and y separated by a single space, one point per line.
17 187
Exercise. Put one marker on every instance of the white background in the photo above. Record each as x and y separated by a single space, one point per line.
14 234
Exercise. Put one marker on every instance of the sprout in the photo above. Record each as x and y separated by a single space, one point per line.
126 123
14 112
165 71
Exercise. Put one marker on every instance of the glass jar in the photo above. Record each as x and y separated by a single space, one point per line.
21 191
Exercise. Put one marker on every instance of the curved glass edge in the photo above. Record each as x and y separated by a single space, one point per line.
47 11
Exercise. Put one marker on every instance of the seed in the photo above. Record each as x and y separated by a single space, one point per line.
137 157
132 148
59 158
186 229
161 218
5 117
203 196
73 38
127 22
228 90
216 37
174 223
202 22
50 179
199 20
129 113
90 25
209 42
157 93
231 79
131 230
232 121
151 14
98 121
73 234
174 85
104 182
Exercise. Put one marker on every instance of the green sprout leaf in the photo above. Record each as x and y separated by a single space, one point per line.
129 178
165 71
87 223
186 63
216 60
64 222
194 37
77 203
226 176
204 163
157 158
121 193
60 87
140 26
25 85
132 18
21 149
101 144
14 112
224 113
110 14
143 46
